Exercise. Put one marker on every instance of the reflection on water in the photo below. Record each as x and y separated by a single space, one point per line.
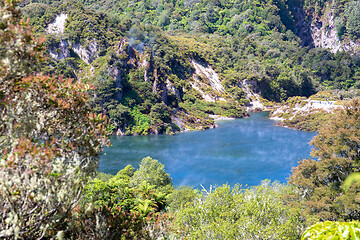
243 151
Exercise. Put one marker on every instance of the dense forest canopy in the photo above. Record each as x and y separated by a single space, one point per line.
163 67
141 54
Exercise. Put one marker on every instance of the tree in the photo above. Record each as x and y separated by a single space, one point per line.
49 139
337 149
333 230
122 209
352 13
152 172
20 51
160 117
236 213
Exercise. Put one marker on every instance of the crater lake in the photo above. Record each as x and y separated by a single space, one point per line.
244 151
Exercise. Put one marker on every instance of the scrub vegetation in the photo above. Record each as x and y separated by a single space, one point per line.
131 67
140 54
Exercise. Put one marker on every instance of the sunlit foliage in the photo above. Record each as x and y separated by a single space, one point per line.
236 213
49 139
336 148
333 230
128 205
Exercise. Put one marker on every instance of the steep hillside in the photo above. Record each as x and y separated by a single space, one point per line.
330 24
165 66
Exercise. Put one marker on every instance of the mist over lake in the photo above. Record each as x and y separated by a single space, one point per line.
243 151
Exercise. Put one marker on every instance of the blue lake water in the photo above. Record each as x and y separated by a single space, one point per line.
243 151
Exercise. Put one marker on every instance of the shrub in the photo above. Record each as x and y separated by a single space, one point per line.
49 139
225 213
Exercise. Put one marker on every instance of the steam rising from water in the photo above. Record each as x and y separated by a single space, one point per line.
243 151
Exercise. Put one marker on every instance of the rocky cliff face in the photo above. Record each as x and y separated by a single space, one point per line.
324 34
204 79
61 50
320 31
144 89
58 25
302 27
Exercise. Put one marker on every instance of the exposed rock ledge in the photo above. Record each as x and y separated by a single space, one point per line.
305 114
324 34
58 25
320 32
61 51
205 77
220 118
303 108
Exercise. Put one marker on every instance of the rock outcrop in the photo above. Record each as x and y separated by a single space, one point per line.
205 78
320 31
62 49
250 88
58 25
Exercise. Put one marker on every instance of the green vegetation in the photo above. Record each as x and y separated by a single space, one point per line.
352 14
50 141
141 57
141 53
333 230
235 213
125 205
346 14
312 121
144 204
336 148
299 112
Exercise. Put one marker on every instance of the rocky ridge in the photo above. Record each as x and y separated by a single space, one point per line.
320 31
124 57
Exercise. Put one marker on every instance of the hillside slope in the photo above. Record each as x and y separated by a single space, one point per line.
164 66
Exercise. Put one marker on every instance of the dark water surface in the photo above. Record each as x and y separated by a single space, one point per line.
243 151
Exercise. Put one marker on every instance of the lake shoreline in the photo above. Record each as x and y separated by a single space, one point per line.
245 151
